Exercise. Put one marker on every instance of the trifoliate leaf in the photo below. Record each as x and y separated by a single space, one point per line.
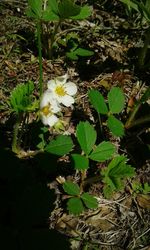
86 136
71 188
98 102
80 162
116 100
89 200
104 151
75 206
115 126
60 146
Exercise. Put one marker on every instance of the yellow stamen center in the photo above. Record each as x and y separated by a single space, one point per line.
60 91
46 110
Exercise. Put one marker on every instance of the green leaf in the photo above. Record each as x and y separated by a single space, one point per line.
49 15
130 4
98 102
84 13
72 55
89 200
21 98
146 188
104 151
60 146
53 6
71 188
75 206
86 136
35 8
107 191
115 126
119 169
80 162
116 100
144 9
67 9
83 52
113 175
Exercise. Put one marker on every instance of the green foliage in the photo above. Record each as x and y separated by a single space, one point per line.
71 188
86 136
21 98
104 151
130 4
57 10
98 101
80 162
42 143
85 12
77 204
116 102
60 146
75 53
114 174
143 7
141 188
115 126
67 9
35 8
89 200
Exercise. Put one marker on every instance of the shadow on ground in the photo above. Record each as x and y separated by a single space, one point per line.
26 203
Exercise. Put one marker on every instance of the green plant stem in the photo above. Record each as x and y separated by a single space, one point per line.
39 28
15 147
143 51
132 116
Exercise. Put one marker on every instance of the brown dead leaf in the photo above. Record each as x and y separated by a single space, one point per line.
143 201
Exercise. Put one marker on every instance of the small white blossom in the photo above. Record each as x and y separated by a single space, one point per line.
62 90
48 108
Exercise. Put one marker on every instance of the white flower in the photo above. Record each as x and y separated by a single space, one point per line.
48 108
63 90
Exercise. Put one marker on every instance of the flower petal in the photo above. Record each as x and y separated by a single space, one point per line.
49 120
51 85
52 120
61 79
71 88
46 98
67 100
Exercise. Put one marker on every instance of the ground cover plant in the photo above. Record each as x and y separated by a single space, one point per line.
74 130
